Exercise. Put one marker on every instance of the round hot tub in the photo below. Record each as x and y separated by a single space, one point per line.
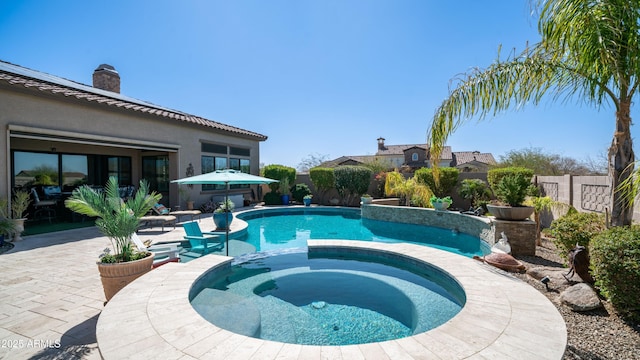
327 298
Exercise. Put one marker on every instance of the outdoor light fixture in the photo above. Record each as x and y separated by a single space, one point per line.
545 280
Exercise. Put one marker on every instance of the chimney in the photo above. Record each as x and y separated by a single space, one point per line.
106 77
381 144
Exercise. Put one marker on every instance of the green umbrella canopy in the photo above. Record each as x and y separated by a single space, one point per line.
222 177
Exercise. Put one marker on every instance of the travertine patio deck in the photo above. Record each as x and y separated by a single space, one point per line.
503 318
51 294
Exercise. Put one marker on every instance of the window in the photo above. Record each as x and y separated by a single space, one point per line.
30 168
212 163
75 171
239 151
213 148
414 157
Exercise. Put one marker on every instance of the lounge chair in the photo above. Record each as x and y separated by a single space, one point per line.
162 210
199 241
164 253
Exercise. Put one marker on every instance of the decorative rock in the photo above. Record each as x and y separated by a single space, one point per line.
580 297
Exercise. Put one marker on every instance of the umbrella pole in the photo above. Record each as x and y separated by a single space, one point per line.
226 201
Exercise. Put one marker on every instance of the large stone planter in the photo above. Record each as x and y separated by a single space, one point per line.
19 228
118 275
511 213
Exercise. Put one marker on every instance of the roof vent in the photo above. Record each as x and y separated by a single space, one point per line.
106 77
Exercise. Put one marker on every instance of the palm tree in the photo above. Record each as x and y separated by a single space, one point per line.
589 49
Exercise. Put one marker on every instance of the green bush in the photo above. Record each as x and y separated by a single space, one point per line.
577 228
278 172
299 191
323 179
494 176
272 198
513 189
475 190
352 181
448 180
615 264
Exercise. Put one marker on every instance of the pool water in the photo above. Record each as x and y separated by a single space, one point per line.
291 228
327 300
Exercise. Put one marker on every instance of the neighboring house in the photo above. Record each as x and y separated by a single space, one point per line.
472 161
70 133
415 156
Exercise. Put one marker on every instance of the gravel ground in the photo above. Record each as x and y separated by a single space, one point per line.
598 334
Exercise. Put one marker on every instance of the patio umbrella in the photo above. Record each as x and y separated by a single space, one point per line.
226 178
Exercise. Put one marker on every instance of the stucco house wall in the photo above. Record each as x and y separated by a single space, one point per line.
38 119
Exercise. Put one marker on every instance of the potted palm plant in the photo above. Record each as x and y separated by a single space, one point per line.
285 191
6 225
222 216
117 220
19 205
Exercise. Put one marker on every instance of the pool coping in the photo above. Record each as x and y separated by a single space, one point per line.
502 318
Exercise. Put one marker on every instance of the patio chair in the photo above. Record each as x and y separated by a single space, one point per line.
162 210
164 253
48 207
202 241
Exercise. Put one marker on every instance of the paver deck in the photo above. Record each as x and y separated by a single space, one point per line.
51 294
503 318
51 298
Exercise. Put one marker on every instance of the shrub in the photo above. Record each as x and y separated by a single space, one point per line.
323 179
615 259
352 181
448 180
494 176
577 228
278 172
513 189
300 191
272 198
474 190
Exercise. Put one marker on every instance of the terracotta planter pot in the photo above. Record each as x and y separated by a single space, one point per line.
118 275
512 213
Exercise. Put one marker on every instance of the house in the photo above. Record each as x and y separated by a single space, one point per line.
63 133
415 156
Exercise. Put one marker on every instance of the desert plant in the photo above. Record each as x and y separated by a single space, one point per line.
410 191
20 204
540 205
615 259
284 187
513 189
576 228
495 176
7 227
225 206
117 219
323 179
475 190
352 181
447 181
300 191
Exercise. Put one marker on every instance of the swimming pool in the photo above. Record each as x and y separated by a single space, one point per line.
279 228
327 298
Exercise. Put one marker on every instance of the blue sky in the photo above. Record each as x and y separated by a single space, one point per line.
317 77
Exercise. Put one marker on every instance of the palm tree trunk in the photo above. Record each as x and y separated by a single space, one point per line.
621 160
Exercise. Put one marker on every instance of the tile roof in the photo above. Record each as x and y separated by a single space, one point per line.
347 159
463 157
19 76
399 149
